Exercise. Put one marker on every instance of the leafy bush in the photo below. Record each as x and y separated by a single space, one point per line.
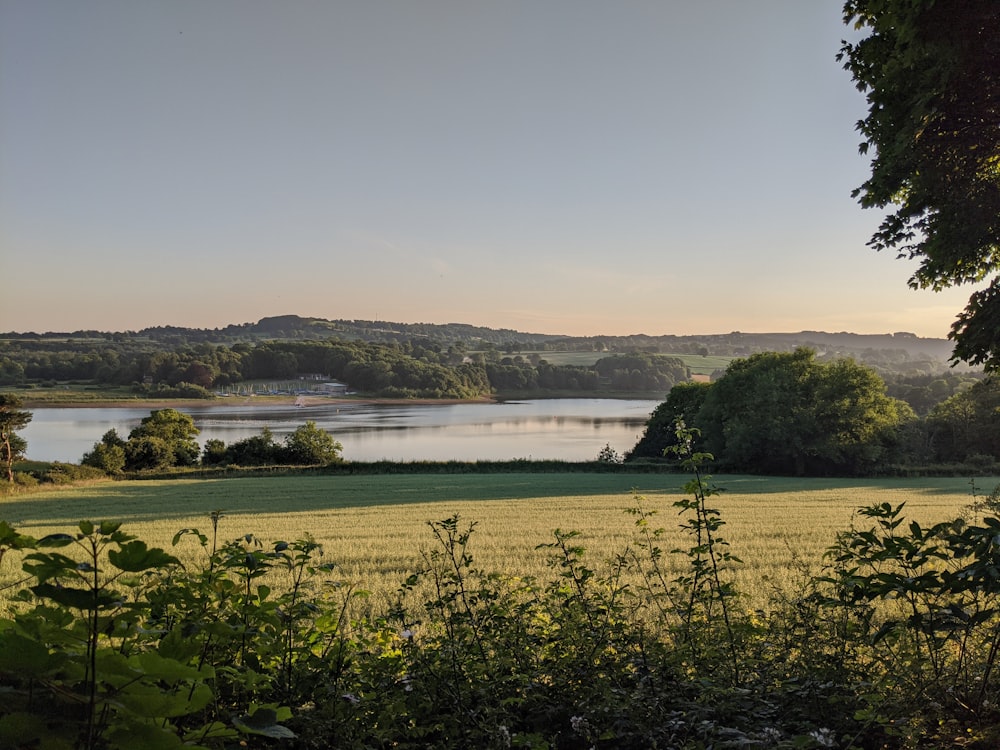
62 473
25 479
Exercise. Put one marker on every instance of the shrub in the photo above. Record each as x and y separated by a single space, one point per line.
61 473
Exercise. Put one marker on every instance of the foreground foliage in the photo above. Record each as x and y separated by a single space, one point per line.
115 644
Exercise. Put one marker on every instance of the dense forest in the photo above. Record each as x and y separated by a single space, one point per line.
433 361
395 370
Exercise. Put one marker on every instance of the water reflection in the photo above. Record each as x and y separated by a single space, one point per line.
565 429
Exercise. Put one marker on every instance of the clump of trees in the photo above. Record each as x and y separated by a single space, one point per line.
308 445
167 438
966 427
787 413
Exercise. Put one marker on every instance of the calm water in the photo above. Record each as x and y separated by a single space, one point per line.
564 429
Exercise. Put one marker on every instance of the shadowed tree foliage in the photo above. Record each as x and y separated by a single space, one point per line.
786 413
683 402
930 70
967 424
12 419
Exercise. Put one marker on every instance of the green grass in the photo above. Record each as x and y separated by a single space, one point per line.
375 527
704 365
73 393
699 365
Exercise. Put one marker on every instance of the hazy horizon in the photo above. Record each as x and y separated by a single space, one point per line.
584 168
459 322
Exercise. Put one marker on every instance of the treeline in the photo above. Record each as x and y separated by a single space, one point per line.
900 352
167 439
790 413
294 327
411 369
621 372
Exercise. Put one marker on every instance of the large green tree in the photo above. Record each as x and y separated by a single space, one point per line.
784 412
166 437
12 419
930 70
108 455
309 445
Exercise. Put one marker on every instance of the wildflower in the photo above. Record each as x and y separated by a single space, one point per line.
580 725
504 734
823 737
770 735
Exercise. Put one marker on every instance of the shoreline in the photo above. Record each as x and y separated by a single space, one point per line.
180 403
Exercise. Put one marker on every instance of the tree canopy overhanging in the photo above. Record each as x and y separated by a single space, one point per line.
930 70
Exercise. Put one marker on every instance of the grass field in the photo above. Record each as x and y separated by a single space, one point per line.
375 527
699 365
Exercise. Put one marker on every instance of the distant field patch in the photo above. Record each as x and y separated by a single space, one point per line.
698 364
572 359
704 365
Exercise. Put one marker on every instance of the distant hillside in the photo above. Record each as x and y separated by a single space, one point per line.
294 327
890 349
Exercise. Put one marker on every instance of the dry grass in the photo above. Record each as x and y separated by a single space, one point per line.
375 527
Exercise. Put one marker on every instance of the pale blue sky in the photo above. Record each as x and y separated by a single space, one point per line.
556 166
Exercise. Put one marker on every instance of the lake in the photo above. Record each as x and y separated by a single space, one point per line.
558 429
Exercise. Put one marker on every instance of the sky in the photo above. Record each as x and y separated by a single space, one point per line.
556 166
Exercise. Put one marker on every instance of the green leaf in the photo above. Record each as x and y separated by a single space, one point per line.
22 656
263 722
114 668
160 667
129 735
151 702
56 540
21 730
11 539
44 566
70 596
136 556
179 646
211 731
202 539
109 527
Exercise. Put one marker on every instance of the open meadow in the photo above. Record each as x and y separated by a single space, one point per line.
374 528
699 364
